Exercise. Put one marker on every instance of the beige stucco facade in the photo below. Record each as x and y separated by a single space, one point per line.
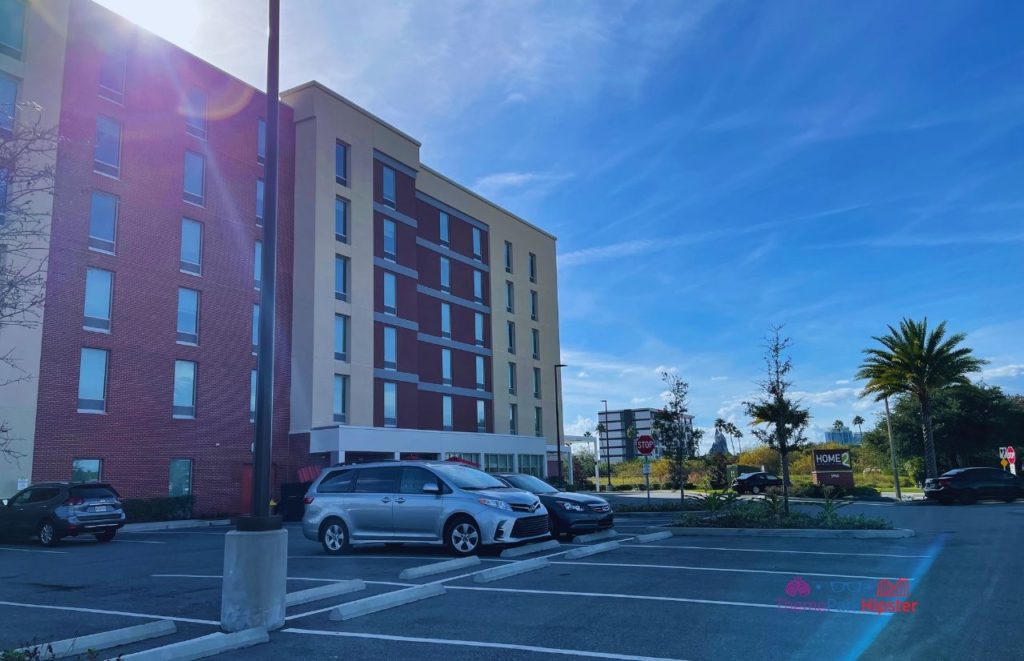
40 76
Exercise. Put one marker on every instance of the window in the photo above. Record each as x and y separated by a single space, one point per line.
511 378
443 229
390 404
535 336
8 103
533 305
255 328
184 405
390 240
188 316
481 375
195 166
252 396
390 293
446 412
86 470
92 381
498 463
414 479
538 424
446 320
536 382
532 464
340 405
107 150
477 249
261 141
99 287
191 259
12 26
112 72
195 112
478 328
446 275
340 278
511 328
341 219
481 415
179 481
340 337
259 201
478 286
508 257
390 348
257 265
4 174
446 367
513 419
388 185
510 296
533 267
341 163
338 482
378 480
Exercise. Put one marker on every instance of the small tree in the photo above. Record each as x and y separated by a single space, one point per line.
673 432
779 421
858 422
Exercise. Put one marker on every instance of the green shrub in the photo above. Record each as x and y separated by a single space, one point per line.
139 510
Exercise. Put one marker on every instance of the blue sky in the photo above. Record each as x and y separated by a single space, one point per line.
710 168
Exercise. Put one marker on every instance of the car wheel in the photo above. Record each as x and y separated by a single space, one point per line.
334 537
755 490
48 533
106 535
945 501
462 536
968 497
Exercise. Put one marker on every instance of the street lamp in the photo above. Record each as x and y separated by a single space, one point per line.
558 427
607 446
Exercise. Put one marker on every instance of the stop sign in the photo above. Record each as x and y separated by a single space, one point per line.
645 444
1011 454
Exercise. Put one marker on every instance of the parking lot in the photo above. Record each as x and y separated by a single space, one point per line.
680 598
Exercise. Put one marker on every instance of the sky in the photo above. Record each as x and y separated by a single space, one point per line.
709 168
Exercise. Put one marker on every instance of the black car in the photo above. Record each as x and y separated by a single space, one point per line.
571 513
755 482
51 510
969 485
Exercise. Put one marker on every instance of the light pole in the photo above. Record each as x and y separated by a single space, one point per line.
607 446
558 427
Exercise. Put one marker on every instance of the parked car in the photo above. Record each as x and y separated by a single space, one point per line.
755 482
570 513
969 485
51 511
421 502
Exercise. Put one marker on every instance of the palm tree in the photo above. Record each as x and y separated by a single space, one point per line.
838 425
858 422
786 421
734 431
720 424
917 362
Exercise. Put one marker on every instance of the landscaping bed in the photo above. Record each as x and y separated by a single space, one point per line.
726 511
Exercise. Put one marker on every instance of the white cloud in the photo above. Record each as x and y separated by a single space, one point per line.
1003 372
719 378
580 426
842 382
499 183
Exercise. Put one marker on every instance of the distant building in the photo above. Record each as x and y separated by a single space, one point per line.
846 436
614 442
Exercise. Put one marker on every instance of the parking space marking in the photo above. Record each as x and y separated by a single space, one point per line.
137 541
727 548
3 548
100 611
479 644
640 597
383 557
720 569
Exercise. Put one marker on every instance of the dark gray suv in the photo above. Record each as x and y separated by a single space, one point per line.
51 510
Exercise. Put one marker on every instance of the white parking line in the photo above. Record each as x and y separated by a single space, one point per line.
719 569
137 541
384 557
477 643
30 550
726 548
100 611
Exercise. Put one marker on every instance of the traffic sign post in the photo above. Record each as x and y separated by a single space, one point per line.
1011 458
645 446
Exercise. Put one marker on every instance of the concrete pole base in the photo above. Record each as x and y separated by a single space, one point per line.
255 572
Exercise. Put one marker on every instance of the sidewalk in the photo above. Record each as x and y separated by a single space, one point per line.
174 525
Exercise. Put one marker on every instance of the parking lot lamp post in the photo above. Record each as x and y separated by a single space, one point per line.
607 446
558 427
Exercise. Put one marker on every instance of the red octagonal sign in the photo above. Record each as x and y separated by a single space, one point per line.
1011 454
645 444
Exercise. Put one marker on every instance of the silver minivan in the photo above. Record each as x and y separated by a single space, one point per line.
419 502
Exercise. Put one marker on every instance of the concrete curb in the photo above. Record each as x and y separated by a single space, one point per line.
595 536
584 551
644 515
653 537
511 569
439 567
322 592
202 647
387 600
898 533
175 525
529 549
100 641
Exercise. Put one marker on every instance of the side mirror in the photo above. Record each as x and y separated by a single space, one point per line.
431 487
3 503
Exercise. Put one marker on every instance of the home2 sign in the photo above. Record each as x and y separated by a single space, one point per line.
832 460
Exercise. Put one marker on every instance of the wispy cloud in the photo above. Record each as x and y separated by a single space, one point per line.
501 183
1004 372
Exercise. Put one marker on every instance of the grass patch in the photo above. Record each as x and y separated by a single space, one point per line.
726 511
690 505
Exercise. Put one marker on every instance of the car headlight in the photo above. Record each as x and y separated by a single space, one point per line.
496 504
571 506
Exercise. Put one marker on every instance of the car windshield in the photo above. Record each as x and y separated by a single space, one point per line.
530 483
465 477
